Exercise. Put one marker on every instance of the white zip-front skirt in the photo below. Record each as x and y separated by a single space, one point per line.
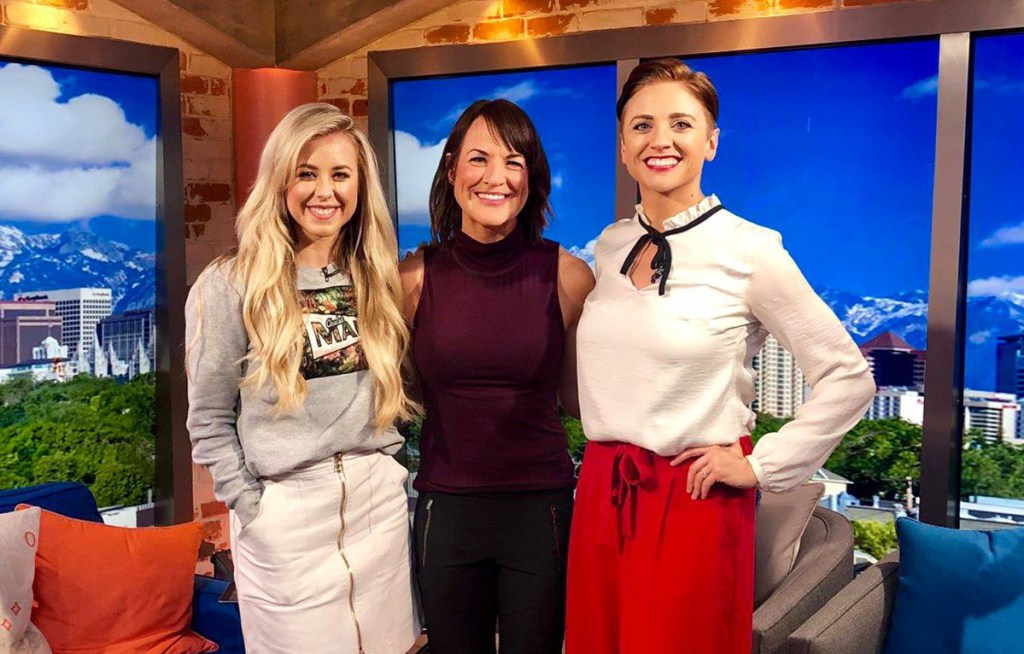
324 567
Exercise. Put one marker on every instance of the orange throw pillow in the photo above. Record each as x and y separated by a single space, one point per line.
116 590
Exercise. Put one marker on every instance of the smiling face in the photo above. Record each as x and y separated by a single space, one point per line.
323 193
490 183
665 138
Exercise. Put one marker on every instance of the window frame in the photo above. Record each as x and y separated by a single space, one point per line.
173 464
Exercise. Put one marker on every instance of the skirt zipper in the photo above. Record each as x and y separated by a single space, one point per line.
339 468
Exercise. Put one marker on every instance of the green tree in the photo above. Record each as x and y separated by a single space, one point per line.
766 424
577 440
875 538
95 431
122 482
878 456
993 468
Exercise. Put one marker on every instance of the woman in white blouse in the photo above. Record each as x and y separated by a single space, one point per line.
661 554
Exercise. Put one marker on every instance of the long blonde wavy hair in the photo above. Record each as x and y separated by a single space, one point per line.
367 249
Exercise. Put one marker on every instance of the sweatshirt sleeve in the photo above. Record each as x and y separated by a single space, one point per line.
841 381
214 362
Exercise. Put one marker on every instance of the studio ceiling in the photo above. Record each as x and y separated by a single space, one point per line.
302 34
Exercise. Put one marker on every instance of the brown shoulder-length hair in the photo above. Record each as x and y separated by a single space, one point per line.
513 127
671 70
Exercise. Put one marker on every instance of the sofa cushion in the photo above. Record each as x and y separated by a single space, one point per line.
19 538
960 592
781 520
67 498
114 590
216 620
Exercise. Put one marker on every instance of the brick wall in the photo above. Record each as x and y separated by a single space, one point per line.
206 137
343 82
205 107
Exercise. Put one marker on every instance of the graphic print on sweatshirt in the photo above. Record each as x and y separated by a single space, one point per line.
332 345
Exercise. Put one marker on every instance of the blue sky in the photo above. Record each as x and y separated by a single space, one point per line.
996 255
85 138
137 95
574 111
834 147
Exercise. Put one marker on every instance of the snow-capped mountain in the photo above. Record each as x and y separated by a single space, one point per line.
76 259
906 314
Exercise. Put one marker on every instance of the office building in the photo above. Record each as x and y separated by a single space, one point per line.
80 310
23 325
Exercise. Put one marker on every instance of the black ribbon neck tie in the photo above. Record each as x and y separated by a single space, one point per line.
661 263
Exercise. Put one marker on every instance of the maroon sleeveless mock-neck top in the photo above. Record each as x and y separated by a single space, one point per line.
487 341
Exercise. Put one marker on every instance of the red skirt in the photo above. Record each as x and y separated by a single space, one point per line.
652 571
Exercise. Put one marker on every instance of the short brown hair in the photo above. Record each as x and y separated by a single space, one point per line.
510 124
670 70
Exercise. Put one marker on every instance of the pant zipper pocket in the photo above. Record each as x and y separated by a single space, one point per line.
558 541
426 533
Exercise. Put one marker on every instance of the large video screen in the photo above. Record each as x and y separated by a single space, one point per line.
78 248
992 473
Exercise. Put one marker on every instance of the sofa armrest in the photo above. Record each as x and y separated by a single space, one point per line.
856 620
823 568
214 620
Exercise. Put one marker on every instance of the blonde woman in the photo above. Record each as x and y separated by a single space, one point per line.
295 341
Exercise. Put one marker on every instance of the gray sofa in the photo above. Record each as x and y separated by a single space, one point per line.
823 567
856 620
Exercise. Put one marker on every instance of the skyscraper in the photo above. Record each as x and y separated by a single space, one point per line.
779 384
1010 365
1010 371
897 403
80 309
894 362
131 338
23 325
995 415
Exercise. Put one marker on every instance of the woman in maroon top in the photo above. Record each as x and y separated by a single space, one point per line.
493 308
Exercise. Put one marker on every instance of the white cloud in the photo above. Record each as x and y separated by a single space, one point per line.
68 160
1012 235
521 92
996 286
586 252
921 89
980 338
415 165
557 181
518 93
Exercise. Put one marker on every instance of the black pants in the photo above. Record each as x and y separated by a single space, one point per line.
493 558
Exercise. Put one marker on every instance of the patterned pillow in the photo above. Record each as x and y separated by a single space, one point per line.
19 539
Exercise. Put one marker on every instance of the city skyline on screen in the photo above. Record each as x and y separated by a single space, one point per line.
78 251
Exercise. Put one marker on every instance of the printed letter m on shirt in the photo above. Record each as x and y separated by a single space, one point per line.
328 333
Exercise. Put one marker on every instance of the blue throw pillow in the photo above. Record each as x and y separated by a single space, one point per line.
67 498
218 622
960 592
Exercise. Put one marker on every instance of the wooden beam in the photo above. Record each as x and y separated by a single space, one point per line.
188 26
363 32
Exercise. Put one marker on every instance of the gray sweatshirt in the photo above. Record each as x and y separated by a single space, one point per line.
235 432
